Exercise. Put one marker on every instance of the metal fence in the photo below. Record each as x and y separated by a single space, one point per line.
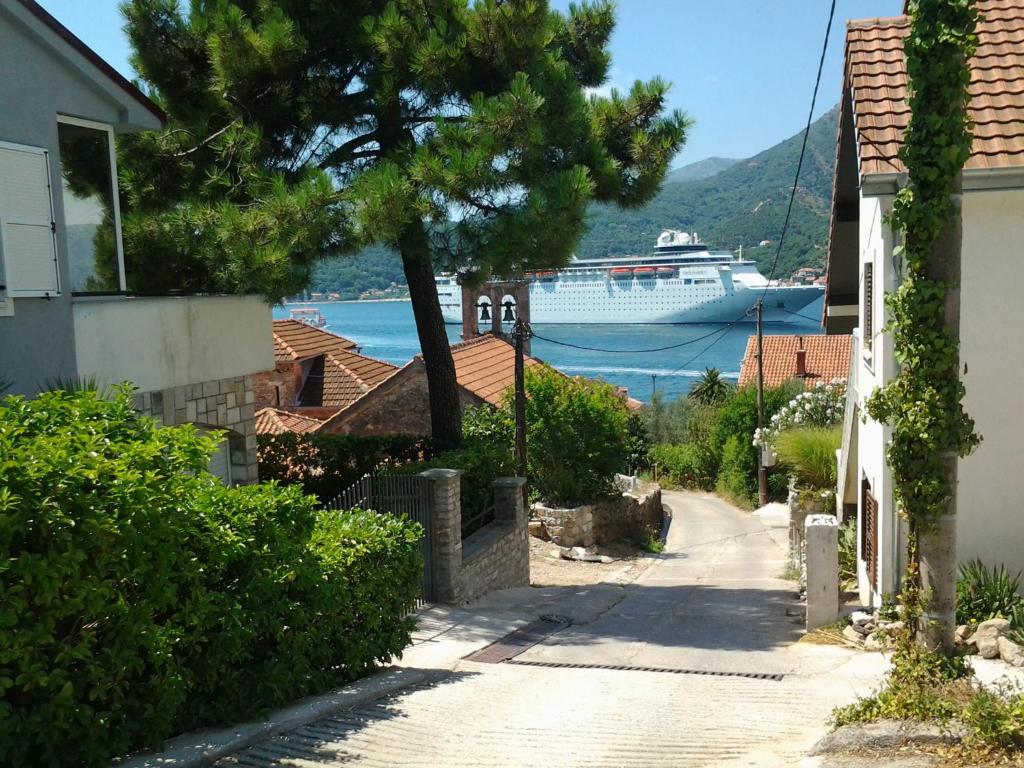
474 521
408 495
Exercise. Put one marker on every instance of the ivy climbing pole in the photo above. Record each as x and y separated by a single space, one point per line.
924 402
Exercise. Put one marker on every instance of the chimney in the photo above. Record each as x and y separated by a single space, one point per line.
801 359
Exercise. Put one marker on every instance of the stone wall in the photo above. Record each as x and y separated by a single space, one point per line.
495 557
225 404
632 516
277 388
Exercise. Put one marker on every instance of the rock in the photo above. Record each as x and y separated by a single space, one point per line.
876 641
861 617
538 530
860 629
891 626
963 632
1010 652
887 734
987 635
851 634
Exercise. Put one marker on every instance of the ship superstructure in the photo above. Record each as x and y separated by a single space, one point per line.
680 282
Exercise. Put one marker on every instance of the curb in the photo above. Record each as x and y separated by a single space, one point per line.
203 748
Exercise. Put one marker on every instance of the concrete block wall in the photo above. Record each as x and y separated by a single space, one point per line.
226 404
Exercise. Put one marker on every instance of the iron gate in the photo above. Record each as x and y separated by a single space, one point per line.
408 495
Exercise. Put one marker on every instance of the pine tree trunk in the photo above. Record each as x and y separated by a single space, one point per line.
445 410
937 542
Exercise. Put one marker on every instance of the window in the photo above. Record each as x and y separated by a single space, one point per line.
869 531
92 217
28 250
869 299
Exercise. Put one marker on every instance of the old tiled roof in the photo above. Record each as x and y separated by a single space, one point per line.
339 378
272 421
877 78
295 340
828 357
485 366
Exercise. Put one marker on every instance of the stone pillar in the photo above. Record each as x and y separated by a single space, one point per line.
510 509
508 500
822 536
446 522
495 294
470 324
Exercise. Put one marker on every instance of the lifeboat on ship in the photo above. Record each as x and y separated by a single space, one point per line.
666 271
644 271
622 273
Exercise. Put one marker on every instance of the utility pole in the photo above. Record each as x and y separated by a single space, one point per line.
519 335
762 471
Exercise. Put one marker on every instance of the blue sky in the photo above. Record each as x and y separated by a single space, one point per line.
742 69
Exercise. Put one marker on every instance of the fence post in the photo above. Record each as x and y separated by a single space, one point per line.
822 537
446 519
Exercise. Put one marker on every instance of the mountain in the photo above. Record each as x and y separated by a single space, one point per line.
727 202
744 204
701 169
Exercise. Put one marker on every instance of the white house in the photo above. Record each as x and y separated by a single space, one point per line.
67 310
862 268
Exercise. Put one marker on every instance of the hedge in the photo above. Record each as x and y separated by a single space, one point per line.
140 597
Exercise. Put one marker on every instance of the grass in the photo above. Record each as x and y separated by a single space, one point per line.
653 544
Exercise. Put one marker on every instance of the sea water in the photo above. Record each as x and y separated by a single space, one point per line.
630 355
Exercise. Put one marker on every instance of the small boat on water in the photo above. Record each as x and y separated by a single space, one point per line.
309 316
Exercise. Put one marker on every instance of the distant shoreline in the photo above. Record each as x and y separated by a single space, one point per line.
340 301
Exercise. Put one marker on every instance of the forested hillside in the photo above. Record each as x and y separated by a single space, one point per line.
727 202
742 205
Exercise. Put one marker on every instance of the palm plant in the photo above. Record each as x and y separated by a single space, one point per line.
710 388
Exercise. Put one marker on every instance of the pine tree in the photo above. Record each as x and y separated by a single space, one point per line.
460 135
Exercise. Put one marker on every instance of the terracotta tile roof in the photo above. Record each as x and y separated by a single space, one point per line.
877 78
339 378
295 340
828 357
272 421
485 366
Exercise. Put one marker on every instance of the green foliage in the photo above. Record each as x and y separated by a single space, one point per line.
326 464
809 454
577 436
923 403
735 481
668 422
710 388
848 554
481 462
743 204
994 719
370 269
680 465
984 593
639 444
141 597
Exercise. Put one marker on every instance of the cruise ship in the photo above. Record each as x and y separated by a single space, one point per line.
681 282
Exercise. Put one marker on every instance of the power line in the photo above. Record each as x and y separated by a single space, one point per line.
637 351
803 149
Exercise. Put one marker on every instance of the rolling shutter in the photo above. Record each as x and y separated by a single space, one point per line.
27 231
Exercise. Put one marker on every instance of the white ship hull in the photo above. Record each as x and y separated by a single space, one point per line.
695 287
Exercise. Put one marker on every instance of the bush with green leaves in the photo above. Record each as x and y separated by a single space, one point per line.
668 421
735 482
578 435
848 554
680 465
141 597
984 593
327 464
809 455
822 406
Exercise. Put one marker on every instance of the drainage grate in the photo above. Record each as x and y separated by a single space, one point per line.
515 643
626 668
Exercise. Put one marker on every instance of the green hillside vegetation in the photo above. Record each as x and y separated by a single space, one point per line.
701 169
742 205
733 203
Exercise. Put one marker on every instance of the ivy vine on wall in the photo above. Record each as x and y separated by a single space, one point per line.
923 403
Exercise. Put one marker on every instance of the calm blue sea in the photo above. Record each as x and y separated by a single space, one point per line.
386 330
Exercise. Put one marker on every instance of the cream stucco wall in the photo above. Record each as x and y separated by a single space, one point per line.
162 342
990 522
991 493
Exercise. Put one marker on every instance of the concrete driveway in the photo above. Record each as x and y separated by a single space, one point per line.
711 614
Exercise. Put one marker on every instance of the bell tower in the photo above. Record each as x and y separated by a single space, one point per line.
493 307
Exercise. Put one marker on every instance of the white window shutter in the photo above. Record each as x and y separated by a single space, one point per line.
28 244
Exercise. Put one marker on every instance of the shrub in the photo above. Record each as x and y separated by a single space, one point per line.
326 465
140 596
668 422
848 554
809 454
822 406
984 593
481 461
735 482
994 719
680 465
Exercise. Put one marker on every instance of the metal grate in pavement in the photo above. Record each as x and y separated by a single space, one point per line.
628 668
515 643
